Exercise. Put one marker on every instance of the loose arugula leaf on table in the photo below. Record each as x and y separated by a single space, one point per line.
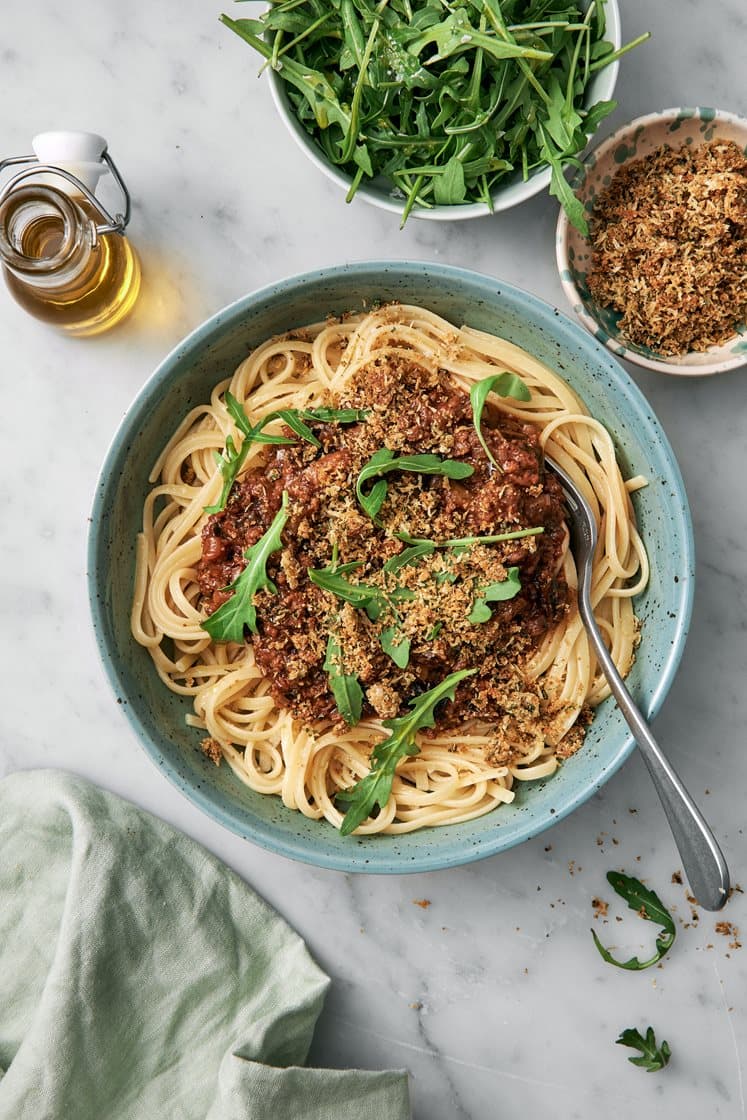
448 102
345 687
650 907
376 787
653 1057
494 593
228 622
503 384
384 460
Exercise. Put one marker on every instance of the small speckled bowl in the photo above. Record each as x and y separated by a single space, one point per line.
187 376
675 128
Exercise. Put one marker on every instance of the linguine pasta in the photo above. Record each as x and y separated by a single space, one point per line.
455 776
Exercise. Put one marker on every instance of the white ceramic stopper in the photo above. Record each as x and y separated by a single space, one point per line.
77 152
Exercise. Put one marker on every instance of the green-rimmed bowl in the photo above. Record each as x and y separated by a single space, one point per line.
675 128
186 378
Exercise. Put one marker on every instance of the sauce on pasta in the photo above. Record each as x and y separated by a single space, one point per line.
264 705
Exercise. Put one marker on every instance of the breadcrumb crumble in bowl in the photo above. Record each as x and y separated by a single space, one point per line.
661 275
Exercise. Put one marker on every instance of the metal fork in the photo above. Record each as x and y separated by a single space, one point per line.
702 858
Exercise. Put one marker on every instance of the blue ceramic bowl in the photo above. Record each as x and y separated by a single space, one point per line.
186 378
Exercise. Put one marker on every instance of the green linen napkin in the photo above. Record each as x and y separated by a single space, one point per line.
140 979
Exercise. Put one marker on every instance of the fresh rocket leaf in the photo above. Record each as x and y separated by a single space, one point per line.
373 600
449 188
650 907
373 501
359 594
653 1057
383 461
253 433
335 415
295 418
376 787
231 462
446 576
448 102
396 645
345 687
228 622
409 556
494 593
503 384
229 465
292 418
559 185
458 543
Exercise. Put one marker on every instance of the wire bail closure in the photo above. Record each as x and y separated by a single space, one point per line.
116 223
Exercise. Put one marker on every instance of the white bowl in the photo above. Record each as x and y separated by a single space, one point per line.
383 194
674 127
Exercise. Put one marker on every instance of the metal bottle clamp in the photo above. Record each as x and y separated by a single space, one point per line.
116 223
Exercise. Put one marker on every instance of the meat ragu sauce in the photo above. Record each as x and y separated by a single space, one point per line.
412 411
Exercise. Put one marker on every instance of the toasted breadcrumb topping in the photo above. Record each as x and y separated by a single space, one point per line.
410 409
669 247
212 748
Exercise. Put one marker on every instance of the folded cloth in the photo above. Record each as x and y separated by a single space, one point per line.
140 979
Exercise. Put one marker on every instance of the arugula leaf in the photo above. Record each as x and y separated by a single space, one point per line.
562 119
376 787
231 462
409 556
292 418
446 576
653 1057
503 384
384 460
373 600
560 187
461 543
396 645
229 465
494 593
359 594
373 501
228 622
650 907
335 415
345 687
449 188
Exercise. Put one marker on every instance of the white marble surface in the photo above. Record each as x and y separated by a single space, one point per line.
493 997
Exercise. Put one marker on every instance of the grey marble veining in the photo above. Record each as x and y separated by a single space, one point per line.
493 995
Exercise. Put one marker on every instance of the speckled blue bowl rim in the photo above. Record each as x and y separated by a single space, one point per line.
367 859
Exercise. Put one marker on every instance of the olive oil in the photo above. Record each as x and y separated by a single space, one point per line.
64 257
90 283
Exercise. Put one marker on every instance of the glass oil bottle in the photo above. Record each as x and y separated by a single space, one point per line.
65 258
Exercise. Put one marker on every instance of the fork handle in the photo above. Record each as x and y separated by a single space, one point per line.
702 858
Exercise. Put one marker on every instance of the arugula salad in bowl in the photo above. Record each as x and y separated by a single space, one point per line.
438 110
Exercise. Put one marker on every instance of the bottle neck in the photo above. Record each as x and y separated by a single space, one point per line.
46 238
